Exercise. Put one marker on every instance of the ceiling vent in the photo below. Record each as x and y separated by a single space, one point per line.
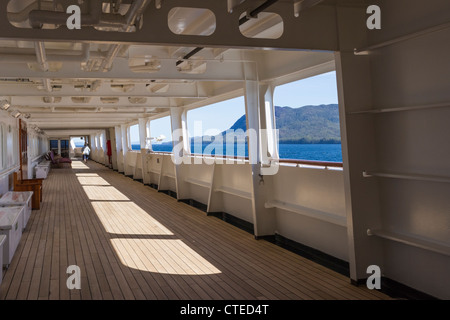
81 99
137 100
109 100
52 99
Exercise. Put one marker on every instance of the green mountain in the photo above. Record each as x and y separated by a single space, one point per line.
308 124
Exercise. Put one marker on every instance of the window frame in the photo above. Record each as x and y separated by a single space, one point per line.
150 130
214 104
129 140
2 146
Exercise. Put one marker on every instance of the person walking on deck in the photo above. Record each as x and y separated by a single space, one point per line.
86 150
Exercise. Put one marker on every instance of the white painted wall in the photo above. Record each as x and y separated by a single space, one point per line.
318 189
414 144
231 190
153 166
9 150
197 180
130 162
227 188
37 148
411 73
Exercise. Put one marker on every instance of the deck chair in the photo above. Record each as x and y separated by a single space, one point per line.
59 162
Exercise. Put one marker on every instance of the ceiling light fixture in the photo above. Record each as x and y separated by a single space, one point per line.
4 104
16 114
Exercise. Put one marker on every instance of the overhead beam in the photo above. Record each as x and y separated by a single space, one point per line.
291 66
106 88
85 125
315 28
73 132
122 102
215 70
43 123
72 116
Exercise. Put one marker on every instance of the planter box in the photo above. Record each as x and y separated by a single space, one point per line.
19 198
10 226
41 172
2 242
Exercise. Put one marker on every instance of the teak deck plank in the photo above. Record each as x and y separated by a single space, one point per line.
132 242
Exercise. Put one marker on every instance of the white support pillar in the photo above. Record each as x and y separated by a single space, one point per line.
119 148
146 158
359 144
143 142
268 118
104 157
186 140
148 134
112 138
59 146
123 129
29 173
179 138
103 139
179 132
263 218
96 147
71 147
142 132
91 146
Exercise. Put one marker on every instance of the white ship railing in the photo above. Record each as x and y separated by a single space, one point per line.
414 241
406 176
309 212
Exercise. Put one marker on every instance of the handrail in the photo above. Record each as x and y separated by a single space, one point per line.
234 192
9 171
198 182
417 177
411 240
295 161
193 155
221 156
37 158
309 212
409 36
160 152
401 109
313 162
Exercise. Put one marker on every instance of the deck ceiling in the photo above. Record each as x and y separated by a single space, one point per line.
97 77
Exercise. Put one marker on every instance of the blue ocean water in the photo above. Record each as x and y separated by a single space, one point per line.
318 152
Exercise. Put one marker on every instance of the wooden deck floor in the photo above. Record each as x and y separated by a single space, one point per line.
132 242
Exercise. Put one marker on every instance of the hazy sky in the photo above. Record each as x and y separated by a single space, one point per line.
316 90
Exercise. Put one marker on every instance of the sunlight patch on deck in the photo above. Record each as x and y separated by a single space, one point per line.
92 181
140 241
86 174
105 193
162 256
79 165
127 218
